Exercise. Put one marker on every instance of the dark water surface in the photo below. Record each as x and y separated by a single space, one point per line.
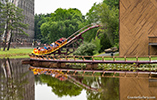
17 82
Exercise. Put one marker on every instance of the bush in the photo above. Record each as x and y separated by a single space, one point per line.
96 41
86 49
105 43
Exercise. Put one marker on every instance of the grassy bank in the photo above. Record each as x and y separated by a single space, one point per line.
24 53
15 53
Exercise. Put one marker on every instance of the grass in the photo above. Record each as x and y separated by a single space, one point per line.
128 59
117 58
23 53
99 53
15 53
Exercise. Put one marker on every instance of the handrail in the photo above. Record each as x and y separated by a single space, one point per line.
125 59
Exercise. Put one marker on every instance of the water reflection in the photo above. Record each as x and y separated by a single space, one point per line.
97 88
125 87
143 88
16 81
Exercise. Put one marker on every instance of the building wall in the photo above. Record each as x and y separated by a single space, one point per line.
28 11
138 22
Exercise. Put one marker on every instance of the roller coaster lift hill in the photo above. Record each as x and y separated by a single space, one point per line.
56 47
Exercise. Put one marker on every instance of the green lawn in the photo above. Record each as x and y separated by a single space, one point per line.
128 59
15 53
24 53
122 59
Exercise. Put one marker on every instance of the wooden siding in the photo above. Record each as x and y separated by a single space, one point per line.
152 39
138 20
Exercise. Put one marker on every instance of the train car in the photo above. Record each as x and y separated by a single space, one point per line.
50 48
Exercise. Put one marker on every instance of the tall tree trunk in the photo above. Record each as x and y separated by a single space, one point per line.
5 41
5 38
9 40
0 44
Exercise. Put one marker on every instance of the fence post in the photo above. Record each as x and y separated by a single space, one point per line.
125 58
149 58
137 58
92 58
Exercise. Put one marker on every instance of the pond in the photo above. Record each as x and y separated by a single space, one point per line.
18 82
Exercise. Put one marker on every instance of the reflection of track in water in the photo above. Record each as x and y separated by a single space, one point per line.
64 76
54 73
80 84
72 73
103 73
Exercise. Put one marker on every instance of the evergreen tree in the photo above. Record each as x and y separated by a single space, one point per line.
12 20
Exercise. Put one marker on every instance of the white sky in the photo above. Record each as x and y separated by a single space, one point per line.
49 6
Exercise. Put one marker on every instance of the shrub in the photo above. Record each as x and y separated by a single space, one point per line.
86 49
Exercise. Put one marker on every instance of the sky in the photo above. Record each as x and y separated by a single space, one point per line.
49 6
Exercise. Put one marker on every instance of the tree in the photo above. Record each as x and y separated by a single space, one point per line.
104 42
91 17
39 20
106 14
109 19
1 5
112 3
13 18
62 23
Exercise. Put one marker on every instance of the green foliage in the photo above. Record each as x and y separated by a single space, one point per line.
104 42
61 89
112 3
86 49
61 23
1 6
110 21
91 17
109 87
39 20
106 14
96 41
12 18
64 22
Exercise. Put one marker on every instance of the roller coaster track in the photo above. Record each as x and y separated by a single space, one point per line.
72 42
